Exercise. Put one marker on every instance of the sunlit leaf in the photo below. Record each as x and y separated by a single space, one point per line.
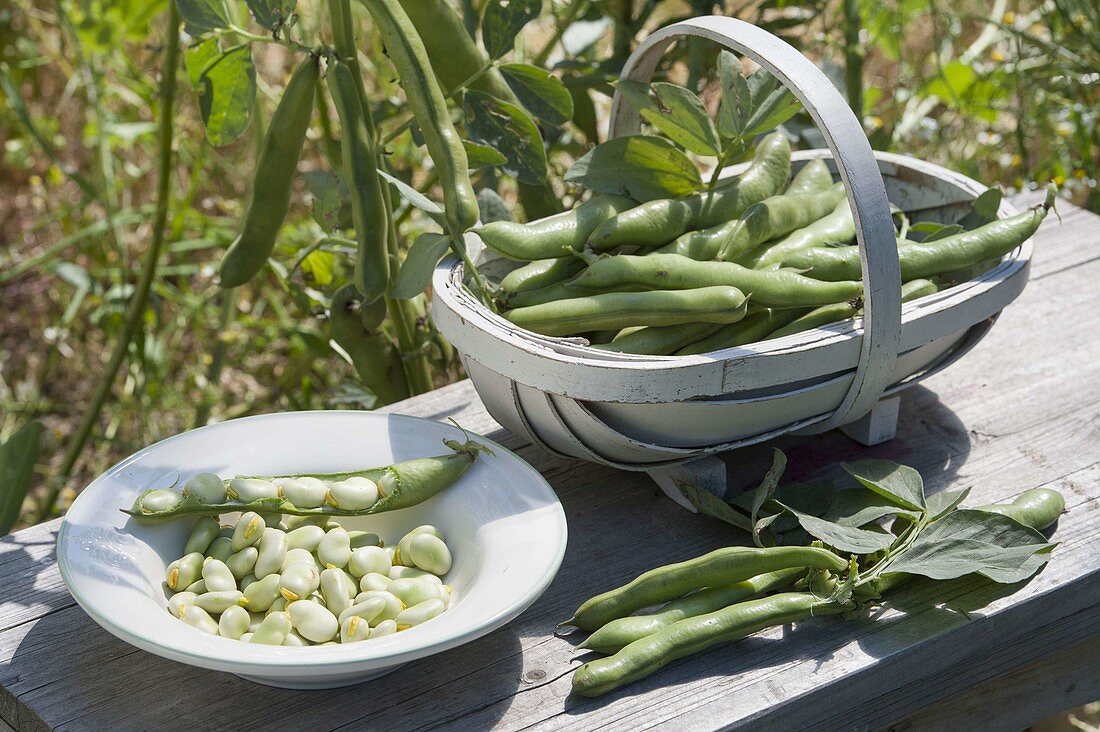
416 271
228 95
541 94
638 166
502 22
676 112
510 130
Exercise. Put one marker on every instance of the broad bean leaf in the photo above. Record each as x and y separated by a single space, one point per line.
931 231
966 541
510 130
482 156
942 503
416 271
899 484
331 205
197 57
502 22
202 16
320 266
708 504
638 166
17 458
584 113
492 207
228 95
415 198
271 14
845 538
983 210
858 507
753 104
541 94
954 79
676 112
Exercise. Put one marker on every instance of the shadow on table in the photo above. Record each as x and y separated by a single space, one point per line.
930 438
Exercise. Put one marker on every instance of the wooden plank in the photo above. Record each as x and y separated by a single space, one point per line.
1023 409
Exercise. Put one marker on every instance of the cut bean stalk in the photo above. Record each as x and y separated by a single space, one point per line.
400 485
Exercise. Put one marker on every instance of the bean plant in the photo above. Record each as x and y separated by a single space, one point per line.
144 140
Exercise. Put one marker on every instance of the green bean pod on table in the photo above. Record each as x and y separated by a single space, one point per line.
622 632
660 221
720 567
690 635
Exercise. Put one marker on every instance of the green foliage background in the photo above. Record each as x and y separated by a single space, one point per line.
1007 92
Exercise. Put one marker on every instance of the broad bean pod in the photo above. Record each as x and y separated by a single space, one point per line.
837 312
837 227
662 271
624 309
754 327
552 236
429 107
769 219
619 633
645 656
659 341
400 485
812 177
926 259
540 273
720 567
274 176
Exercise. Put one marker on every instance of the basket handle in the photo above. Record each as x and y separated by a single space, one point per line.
855 162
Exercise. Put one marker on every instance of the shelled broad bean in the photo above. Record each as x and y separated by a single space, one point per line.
306 585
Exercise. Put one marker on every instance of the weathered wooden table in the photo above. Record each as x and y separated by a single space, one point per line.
1021 410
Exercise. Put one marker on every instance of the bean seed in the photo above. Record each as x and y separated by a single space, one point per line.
298 581
184 571
248 531
234 622
374 581
353 494
178 601
219 601
207 487
419 613
386 627
303 492
273 630
202 535
304 537
312 621
368 560
335 548
429 553
273 549
196 617
262 593
243 562
354 628
221 548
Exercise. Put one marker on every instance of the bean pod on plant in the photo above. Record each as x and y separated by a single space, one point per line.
272 180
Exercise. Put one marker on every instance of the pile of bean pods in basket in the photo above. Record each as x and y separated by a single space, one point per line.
757 257
287 573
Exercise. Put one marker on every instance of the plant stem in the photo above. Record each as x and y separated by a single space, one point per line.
217 358
136 311
853 56
413 361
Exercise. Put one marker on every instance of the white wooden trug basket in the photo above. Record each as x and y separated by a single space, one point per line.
651 413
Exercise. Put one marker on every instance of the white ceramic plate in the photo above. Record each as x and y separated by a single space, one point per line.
501 520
